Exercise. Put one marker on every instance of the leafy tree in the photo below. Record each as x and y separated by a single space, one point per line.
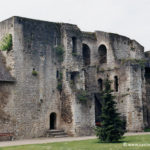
112 125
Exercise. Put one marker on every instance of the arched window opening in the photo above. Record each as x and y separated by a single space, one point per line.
102 54
52 121
116 83
100 84
86 54
74 45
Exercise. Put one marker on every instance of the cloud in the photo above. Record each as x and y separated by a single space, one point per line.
126 17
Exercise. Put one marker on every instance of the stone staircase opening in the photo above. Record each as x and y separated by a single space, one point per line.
56 133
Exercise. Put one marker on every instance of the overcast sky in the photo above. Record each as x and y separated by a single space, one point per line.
127 17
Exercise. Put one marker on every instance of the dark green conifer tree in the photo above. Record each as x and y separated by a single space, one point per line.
112 125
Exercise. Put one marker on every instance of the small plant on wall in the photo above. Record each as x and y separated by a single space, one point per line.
59 82
59 50
82 96
6 43
74 54
34 72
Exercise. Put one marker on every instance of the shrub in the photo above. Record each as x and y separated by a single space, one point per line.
59 50
74 54
147 130
59 86
82 95
34 73
140 62
6 43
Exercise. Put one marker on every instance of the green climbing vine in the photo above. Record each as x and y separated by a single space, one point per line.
6 43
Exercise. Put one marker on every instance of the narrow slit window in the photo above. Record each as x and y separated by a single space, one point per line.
86 54
57 74
74 45
116 83
56 41
100 84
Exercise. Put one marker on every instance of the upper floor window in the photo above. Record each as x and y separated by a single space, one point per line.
116 83
74 45
100 84
55 41
86 54
102 54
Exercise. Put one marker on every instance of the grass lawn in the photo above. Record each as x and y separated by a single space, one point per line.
89 145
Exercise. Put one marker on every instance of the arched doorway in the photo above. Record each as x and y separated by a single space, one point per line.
102 50
86 54
52 121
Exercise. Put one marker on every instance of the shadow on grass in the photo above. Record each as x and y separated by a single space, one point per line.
123 140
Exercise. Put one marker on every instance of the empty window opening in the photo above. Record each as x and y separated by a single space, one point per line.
102 54
86 54
147 95
100 84
147 75
116 83
74 45
55 41
52 121
147 71
74 78
57 74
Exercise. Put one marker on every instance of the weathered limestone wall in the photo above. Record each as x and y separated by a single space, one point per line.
83 114
135 104
129 94
36 97
7 117
146 91
31 99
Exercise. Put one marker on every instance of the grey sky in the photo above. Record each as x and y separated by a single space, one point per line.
127 17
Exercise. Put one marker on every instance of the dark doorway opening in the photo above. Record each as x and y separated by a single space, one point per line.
52 121
98 107
86 54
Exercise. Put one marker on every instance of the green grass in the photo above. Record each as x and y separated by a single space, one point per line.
89 145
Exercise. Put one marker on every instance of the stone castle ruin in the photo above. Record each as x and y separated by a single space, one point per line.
51 75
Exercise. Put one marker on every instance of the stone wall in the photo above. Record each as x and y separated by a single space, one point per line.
31 99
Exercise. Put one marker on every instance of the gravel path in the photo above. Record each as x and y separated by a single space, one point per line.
52 140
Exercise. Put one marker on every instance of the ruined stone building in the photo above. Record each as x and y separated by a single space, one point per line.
49 69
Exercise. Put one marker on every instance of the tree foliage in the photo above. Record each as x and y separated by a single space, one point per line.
112 125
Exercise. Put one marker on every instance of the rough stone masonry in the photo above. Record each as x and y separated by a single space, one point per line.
53 67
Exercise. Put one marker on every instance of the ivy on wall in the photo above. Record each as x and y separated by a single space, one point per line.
82 95
140 62
59 51
6 43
